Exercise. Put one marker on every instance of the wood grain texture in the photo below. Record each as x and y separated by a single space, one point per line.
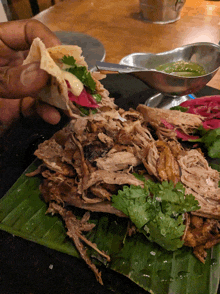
121 29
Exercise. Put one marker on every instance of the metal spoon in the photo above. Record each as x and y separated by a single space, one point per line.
143 66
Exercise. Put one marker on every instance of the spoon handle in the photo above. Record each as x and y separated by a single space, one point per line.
113 67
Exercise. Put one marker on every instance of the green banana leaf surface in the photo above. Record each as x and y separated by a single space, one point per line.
22 213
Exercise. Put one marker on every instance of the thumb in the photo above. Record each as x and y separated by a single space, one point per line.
22 81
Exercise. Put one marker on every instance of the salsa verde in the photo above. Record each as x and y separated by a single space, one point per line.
182 68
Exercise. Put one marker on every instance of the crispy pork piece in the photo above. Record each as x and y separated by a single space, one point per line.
160 160
186 122
167 165
202 234
52 153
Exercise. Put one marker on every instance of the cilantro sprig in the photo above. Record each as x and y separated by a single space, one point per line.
69 60
80 72
180 108
157 210
211 140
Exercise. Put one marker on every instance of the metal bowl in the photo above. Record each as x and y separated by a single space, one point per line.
204 53
161 11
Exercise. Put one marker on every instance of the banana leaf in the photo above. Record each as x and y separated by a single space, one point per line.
22 213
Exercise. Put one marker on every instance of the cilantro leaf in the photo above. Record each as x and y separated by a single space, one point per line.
132 202
80 72
69 60
86 111
211 136
211 140
165 231
214 149
215 166
84 76
173 199
180 108
157 210
97 97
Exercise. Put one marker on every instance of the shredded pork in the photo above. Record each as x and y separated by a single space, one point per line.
89 160
186 122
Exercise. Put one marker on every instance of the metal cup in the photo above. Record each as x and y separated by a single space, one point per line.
161 11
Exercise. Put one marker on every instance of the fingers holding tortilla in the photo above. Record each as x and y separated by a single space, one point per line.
48 113
16 37
30 107
22 81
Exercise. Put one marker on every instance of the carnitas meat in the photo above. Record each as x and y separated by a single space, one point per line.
89 160
201 234
182 121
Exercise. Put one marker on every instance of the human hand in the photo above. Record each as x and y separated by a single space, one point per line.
19 83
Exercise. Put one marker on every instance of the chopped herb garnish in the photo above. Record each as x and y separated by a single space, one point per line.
80 72
157 210
86 111
180 108
211 140
215 166
97 97
69 60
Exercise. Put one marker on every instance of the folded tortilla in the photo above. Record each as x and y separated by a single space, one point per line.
56 91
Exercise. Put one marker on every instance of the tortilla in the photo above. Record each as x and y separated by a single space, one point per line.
56 91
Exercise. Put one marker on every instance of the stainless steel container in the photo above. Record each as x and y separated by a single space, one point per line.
161 11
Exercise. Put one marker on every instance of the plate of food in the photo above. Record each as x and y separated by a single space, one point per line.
127 188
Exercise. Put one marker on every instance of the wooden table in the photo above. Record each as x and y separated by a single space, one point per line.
121 29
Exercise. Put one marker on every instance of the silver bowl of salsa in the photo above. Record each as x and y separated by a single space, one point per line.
184 70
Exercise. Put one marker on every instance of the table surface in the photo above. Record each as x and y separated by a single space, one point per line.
121 29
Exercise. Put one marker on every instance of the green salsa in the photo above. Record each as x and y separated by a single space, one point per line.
182 68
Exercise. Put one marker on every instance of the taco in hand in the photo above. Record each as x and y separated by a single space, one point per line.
72 87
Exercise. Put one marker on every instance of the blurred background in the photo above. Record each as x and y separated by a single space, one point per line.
22 9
